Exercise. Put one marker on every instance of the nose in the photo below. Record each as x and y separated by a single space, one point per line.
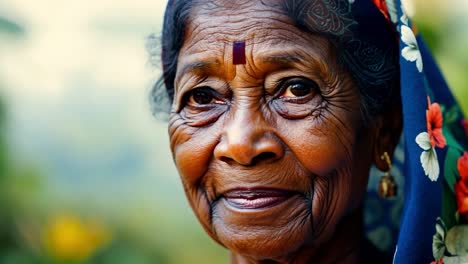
247 140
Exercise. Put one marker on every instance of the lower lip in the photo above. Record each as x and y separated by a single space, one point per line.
256 203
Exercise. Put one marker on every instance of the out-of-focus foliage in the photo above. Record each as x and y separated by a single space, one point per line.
9 27
63 219
70 238
443 24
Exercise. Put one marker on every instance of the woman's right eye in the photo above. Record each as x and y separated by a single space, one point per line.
202 97
202 106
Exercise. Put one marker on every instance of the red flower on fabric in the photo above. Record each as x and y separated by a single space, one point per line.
382 6
434 124
440 261
461 186
464 124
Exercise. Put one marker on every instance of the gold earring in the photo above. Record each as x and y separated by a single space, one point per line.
387 185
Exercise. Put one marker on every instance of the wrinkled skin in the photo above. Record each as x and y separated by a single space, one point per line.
288 119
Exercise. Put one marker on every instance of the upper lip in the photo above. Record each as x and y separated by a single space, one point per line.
254 193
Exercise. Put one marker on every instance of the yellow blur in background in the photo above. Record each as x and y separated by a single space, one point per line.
86 175
67 237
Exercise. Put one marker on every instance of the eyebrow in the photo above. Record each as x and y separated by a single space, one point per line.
282 60
199 67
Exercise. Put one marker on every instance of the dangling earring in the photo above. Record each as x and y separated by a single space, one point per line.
387 185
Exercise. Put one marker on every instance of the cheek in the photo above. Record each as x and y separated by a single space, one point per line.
192 149
328 147
321 146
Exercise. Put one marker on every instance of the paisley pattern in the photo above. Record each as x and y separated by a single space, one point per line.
329 16
368 58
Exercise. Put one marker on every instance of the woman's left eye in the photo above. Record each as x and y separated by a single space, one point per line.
298 89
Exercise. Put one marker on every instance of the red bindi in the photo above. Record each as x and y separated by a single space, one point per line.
238 52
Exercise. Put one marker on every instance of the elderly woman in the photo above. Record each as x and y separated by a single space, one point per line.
279 109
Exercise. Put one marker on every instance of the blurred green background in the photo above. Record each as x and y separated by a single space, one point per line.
86 175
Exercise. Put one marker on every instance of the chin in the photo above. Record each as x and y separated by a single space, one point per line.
260 228
264 233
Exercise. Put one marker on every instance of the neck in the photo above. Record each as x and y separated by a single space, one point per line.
344 247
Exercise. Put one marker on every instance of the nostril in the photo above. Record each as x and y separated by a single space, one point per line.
264 156
226 159
248 149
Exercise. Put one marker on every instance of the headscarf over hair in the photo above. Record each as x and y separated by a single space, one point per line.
366 43
431 162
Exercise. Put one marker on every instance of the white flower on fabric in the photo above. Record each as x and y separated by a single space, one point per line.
392 10
438 240
411 51
424 141
407 6
351 2
404 18
428 157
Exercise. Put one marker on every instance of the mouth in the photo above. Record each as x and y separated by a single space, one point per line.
256 198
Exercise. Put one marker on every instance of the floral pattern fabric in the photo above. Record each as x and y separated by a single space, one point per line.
434 222
461 186
431 139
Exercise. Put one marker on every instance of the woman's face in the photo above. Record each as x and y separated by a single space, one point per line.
272 153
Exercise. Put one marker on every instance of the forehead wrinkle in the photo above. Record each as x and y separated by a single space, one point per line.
226 8
209 31
239 21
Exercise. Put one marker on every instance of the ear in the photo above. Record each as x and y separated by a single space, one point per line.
387 132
